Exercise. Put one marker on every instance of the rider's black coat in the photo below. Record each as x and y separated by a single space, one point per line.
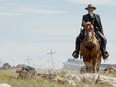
97 22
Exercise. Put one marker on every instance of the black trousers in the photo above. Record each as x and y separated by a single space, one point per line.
99 35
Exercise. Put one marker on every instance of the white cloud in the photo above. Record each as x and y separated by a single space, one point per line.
37 10
103 2
31 10
10 13
3 0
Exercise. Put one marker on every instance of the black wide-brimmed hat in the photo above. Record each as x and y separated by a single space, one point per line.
90 6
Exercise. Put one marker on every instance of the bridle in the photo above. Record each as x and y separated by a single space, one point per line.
89 31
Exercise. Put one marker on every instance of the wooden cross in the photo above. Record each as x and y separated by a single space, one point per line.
28 60
51 53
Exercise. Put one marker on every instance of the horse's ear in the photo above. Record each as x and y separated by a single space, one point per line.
84 23
92 22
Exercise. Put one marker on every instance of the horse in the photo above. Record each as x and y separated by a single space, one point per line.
90 49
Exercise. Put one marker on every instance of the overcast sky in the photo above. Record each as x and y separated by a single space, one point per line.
33 27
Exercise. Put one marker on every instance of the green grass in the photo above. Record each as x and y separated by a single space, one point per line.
10 78
7 78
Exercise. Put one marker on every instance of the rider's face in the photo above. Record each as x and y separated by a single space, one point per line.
90 9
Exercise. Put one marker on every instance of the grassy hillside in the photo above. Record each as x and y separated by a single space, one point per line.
10 78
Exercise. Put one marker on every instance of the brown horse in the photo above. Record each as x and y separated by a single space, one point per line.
90 49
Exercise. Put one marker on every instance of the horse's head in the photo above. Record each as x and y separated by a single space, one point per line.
89 30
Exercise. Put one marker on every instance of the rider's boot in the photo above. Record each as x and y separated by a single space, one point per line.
79 39
104 52
75 54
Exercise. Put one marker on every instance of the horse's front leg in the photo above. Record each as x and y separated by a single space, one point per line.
87 65
88 70
98 63
94 64
93 69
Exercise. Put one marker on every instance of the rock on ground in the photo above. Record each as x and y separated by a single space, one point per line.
92 78
5 85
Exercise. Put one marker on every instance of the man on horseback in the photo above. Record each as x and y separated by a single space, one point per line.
91 16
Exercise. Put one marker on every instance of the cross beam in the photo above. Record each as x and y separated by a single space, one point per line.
28 60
